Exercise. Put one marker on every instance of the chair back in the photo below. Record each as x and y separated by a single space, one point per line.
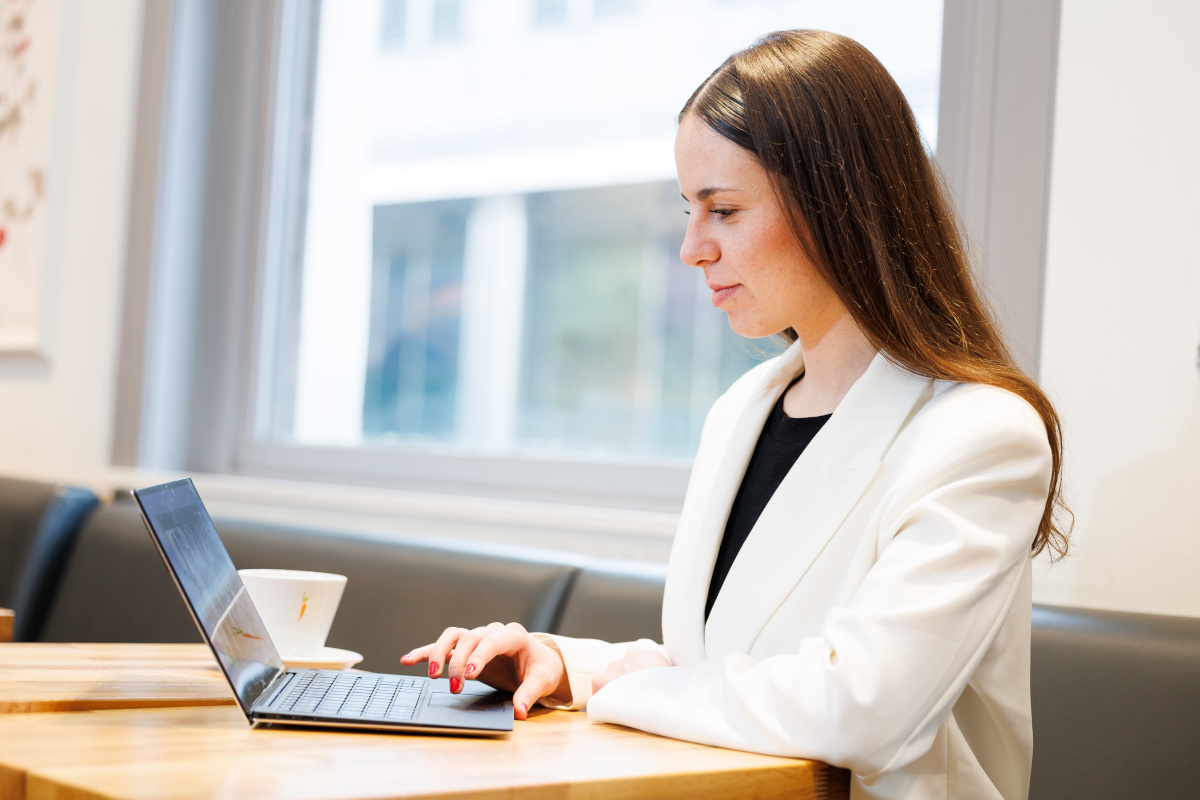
39 524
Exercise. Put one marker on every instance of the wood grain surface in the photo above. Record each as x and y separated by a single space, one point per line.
83 677
6 624
185 753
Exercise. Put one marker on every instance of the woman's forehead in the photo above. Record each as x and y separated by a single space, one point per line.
708 163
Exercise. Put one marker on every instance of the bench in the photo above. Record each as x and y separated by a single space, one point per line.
1115 696
402 591
39 523
1116 705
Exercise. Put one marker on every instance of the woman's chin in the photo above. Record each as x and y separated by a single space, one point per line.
752 329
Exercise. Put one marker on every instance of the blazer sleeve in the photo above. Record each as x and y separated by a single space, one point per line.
870 692
584 658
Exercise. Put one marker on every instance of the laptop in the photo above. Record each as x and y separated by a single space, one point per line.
267 691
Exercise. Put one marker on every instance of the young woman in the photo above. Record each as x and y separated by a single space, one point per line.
851 576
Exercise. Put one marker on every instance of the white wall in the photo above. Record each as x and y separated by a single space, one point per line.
56 419
1122 314
1122 303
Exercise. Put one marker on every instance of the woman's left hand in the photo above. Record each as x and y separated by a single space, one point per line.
636 658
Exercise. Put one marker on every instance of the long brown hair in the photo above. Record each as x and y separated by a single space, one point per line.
837 137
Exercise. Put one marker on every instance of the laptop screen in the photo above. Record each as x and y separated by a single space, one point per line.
205 574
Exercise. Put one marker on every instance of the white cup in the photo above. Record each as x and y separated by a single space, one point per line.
297 607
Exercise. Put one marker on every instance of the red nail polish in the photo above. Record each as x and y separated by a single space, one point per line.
455 685
470 668
433 668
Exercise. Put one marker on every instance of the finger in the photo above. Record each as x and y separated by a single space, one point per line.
538 683
416 655
500 640
462 652
440 650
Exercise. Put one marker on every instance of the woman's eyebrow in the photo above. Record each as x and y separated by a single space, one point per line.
705 193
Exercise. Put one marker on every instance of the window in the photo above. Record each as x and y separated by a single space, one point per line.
445 20
550 12
394 23
486 273
289 311
614 7
432 244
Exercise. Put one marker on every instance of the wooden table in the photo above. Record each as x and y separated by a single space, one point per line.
201 752
85 677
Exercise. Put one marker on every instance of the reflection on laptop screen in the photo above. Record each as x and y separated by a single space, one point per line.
206 575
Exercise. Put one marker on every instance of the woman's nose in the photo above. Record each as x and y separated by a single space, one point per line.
698 248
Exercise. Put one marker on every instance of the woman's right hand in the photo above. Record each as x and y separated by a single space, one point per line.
507 657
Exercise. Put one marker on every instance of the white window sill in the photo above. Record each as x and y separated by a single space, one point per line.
598 531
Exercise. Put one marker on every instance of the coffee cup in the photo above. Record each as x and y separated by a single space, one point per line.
296 606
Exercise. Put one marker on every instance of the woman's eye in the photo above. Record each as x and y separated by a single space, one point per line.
721 212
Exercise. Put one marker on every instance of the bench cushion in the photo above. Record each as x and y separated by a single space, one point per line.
1116 704
22 504
38 527
115 587
615 600
403 591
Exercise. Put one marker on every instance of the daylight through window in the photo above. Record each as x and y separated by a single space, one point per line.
490 247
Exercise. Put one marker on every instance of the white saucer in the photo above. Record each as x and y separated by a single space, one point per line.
325 658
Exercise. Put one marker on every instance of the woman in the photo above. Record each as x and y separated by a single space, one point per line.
867 603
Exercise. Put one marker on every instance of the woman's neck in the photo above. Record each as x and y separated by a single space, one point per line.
834 358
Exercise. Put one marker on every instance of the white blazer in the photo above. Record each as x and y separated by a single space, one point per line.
878 616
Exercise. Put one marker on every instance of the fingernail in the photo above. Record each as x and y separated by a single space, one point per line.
525 708
470 668
433 668
455 685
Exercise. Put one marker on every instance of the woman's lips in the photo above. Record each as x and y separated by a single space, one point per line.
722 293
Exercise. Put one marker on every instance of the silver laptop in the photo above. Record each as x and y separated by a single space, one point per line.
267 691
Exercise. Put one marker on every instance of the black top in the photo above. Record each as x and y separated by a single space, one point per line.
781 442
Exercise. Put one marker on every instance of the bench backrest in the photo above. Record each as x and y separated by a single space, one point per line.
614 600
1116 704
402 591
115 587
39 523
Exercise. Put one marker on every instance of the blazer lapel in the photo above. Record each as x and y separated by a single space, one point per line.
716 476
811 503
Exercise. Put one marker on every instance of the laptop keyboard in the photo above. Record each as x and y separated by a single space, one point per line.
390 697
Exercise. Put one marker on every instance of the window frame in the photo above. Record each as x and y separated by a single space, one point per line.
212 82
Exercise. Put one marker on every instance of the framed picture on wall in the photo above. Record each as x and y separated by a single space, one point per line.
30 34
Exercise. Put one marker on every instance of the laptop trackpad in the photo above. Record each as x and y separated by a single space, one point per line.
473 703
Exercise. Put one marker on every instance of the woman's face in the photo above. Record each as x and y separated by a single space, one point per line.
738 234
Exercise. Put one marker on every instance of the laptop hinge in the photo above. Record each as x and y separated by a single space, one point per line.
272 693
